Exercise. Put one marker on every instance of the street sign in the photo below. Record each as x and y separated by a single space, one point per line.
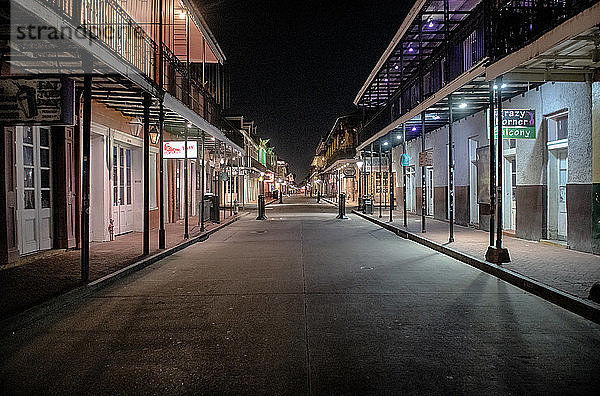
516 124
37 101
349 172
426 158
176 149
405 160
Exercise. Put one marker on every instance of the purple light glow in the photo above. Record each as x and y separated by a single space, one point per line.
410 49
414 129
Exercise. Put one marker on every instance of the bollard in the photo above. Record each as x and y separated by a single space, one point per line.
280 197
261 208
319 197
342 207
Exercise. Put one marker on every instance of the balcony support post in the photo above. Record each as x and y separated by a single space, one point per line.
203 174
450 170
146 209
391 177
85 172
380 180
161 127
186 233
404 174
423 179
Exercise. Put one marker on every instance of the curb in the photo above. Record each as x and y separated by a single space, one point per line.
32 314
564 300
329 202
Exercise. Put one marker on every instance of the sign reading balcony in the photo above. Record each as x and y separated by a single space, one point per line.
516 124
176 149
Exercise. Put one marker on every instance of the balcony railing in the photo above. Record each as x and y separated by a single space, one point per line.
106 21
342 153
517 23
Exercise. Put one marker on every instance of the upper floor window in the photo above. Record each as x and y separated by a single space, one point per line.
558 127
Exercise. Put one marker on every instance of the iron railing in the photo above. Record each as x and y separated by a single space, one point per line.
107 22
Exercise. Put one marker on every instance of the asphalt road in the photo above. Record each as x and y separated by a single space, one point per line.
305 304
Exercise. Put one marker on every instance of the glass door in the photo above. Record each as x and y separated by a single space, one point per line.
122 193
35 189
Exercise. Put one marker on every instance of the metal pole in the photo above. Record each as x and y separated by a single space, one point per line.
423 180
372 179
85 177
380 180
499 160
202 187
161 126
492 167
404 174
391 176
146 236
231 184
450 170
186 233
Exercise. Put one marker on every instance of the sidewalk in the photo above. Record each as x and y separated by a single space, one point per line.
36 278
564 269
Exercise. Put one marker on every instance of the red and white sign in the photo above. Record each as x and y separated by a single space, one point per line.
177 149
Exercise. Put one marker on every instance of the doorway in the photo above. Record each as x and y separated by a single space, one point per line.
429 187
473 205
122 192
34 189
509 201
410 188
562 168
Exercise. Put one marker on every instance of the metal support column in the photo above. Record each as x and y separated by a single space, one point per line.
380 180
404 174
186 230
161 127
450 170
391 177
423 179
202 186
372 179
146 208
85 177
492 166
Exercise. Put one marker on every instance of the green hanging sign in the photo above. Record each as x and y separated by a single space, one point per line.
516 124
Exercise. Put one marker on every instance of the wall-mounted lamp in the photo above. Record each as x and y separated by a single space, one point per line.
154 134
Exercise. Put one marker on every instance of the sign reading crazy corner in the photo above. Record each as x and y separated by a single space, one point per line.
176 150
516 124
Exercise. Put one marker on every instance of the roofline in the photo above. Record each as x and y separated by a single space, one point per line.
412 14
205 30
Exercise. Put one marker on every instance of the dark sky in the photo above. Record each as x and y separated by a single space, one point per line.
297 65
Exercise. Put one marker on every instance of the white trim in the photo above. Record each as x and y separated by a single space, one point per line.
558 144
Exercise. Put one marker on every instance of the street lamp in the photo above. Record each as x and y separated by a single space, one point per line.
154 134
359 164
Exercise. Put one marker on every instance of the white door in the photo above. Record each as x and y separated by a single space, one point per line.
509 202
473 205
410 188
563 165
34 189
429 185
453 184
122 194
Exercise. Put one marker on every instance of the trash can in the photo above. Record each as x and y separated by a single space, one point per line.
213 200
207 204
361 203
368 205
275 194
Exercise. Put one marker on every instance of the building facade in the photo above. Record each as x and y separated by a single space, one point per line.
452 74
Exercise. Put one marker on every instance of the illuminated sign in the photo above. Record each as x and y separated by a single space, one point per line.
516 124
269 177
176 150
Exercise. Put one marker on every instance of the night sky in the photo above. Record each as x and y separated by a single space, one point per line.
297 65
